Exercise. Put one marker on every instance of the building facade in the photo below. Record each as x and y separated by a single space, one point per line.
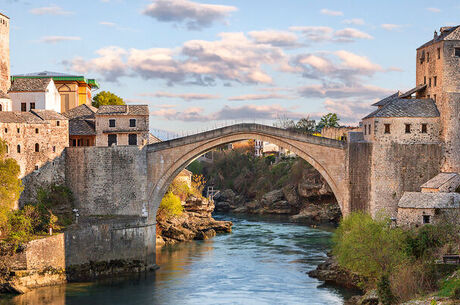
5 102
122 125
74 90
34 93
82 129
4 53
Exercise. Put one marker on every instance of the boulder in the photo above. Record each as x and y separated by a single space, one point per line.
202 235
271 197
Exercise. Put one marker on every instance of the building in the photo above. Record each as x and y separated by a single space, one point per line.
34 93
122 125
337 133
5 102
82 125
4 53
75 90
258 148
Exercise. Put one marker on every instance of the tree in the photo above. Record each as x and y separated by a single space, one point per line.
107 98
329 120
306 125
10 185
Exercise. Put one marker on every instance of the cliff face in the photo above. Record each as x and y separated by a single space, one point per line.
195 223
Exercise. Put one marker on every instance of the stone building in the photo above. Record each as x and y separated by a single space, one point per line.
74 90
34 93
82 131
338 133
122 125
4 53
5 102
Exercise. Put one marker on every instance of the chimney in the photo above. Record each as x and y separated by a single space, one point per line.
435 35
445 29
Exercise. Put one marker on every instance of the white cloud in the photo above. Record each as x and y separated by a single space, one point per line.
324 33
325 11
50 10
184 96
339 91
195 15
56 39
107 23
349 111
349 34
354 21
255 97
357 63
433 9
390 26
275 38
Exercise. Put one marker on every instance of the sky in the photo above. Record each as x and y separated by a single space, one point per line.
204 64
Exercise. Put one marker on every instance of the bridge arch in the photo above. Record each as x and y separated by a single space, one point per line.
167 159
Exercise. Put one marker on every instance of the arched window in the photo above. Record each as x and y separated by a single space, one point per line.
18 148
1 107
37 147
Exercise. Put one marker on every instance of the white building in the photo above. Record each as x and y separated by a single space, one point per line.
5 102
34 93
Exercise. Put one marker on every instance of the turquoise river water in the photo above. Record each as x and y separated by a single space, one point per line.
264 261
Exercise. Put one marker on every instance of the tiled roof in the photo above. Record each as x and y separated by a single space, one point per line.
412 91
417 108
79 127
29 84
20 117
47 73
419 200
3 94
387 99
82 112
446 33
439 180
123 110
48 114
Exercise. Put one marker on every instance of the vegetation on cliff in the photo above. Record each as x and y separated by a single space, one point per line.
401 263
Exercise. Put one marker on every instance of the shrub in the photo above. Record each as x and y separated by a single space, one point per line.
451 287
55 201
411 279
368 247
171 205
386 297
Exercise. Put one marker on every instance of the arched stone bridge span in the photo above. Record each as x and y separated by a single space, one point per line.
166 159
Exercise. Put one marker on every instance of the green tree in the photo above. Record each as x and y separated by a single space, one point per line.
10 185
107 98
329 120
306 125
369 247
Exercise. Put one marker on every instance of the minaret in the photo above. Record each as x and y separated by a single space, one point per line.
4 53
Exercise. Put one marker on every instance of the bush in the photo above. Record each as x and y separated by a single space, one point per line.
171 205
451 287
386 297
369 247
56 201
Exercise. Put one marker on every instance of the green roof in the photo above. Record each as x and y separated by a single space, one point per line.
59 77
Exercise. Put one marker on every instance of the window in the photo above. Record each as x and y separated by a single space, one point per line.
79 142
387 128
74 142
424 128
6 130
369 129
439 53
434 97
18 149
429 82
132 122
32 106
112 123
1 107
36 167
427 56
424 80
426 218
87 142
23 107
457 52
36 130
112 139
428 96
407 128
132 139
435 81
37 147
365 129
54 148
58 123
422 57
19 130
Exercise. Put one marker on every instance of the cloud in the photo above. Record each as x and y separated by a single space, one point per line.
360 64
195 15
275 38
339 91
255 97
390 26
354 21
184 96
350 111
349 34
324 33
325 11
107 23
50 10
433 9
56 39
232 58
258 112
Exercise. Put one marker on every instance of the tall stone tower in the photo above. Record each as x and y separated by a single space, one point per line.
4 53
438 67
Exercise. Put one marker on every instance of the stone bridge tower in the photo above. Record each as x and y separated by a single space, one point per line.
438 67
4 53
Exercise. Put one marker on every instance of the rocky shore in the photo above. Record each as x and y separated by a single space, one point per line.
195 223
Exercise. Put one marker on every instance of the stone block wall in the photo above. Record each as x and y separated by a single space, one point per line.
359 168
107 180
398 168
122 129
4 53
42 253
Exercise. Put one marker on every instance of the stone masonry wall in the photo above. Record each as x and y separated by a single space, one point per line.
42 253
4 53
359 165
397 168
122 129
107 180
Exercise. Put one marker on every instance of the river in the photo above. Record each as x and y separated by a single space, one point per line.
264 261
